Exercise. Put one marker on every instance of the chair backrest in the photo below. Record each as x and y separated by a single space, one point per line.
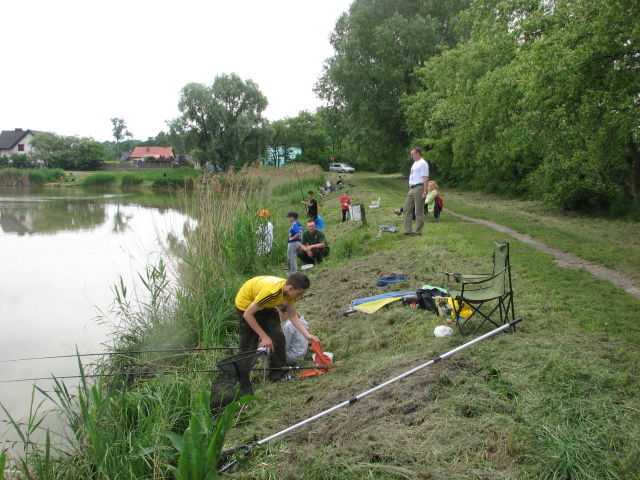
500 262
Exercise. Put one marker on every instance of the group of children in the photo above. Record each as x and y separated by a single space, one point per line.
266 305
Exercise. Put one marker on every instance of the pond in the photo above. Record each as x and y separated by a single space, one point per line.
62 250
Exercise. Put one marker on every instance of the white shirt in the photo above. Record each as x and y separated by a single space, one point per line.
265 238
419 170
296 343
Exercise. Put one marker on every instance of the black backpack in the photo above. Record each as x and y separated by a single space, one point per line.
427 298
437 206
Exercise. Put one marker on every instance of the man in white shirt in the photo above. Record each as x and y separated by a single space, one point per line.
418 182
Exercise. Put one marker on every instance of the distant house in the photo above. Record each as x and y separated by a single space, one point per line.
126 156
157 154
16 141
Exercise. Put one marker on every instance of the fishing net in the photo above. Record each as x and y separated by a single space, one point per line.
235 371
390 280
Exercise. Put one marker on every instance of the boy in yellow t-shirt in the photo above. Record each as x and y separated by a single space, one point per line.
258 319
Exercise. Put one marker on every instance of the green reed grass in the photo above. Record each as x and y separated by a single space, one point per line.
99 179
30 177
130 180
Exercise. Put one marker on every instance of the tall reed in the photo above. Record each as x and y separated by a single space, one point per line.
116 432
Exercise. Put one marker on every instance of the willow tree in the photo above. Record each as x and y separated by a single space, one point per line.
224 120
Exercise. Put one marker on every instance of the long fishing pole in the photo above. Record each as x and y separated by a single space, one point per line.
419 258
295 166
351 401
132 352
286 368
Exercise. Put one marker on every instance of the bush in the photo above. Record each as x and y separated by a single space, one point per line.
130 180
99 180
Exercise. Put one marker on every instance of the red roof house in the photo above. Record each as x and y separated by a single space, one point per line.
155 153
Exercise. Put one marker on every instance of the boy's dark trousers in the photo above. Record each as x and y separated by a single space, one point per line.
269 321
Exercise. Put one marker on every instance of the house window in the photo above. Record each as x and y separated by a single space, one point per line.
21 147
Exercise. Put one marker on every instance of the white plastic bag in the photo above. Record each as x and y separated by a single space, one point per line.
442 331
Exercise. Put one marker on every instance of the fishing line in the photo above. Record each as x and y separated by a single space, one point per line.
150 374
351 401
299 184
120 353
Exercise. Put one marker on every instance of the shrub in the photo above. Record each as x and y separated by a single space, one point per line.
99 180
130 180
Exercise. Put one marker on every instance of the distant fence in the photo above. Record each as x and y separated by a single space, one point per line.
136 166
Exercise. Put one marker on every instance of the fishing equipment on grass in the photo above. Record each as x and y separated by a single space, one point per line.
376 302
246 449
393 279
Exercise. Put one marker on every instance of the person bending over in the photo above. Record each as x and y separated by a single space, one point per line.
258 319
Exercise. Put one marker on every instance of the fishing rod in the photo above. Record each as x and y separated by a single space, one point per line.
419 258
286 368
197 349
295 166
247 448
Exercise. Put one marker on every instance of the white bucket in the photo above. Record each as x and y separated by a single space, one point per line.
355 213
328 354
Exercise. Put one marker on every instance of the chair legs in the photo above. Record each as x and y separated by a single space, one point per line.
504 306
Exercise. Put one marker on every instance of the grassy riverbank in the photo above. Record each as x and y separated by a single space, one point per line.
558 399
179 178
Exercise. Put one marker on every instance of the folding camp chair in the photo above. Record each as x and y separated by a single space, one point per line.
478 289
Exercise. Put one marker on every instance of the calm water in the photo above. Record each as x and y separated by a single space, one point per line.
61 252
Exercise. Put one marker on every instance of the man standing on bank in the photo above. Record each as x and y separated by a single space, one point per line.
418 181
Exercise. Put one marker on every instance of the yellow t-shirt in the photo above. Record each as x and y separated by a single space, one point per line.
266 291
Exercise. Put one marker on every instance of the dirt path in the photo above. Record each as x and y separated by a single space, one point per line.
563 259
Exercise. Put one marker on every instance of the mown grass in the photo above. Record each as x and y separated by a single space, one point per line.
557 399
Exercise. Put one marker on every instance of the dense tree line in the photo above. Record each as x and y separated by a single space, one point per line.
542 98
378 45
67 152
534 97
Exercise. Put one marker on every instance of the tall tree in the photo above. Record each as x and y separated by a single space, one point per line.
467 110
224 120
120 132
378 44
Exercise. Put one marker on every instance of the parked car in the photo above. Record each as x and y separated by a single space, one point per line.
341 168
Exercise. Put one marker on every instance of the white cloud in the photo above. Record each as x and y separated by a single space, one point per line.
72 65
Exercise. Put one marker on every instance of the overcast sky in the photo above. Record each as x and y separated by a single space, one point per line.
71 65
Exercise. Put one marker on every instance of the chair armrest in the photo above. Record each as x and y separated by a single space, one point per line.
467 276
483 280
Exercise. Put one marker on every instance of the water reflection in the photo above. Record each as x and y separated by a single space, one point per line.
33 211
61 251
